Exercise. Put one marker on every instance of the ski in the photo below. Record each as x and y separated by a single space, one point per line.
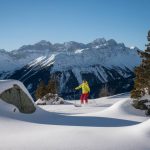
77 105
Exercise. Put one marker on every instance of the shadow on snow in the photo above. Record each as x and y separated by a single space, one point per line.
50 118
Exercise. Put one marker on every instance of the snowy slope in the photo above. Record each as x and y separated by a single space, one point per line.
9 63
16 59
104 54
65 127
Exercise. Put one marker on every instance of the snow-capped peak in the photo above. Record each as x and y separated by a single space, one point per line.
112 42
44 43
2 50
99 41
134 48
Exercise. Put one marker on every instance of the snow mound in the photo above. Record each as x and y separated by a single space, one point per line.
144 127
7 107
123 109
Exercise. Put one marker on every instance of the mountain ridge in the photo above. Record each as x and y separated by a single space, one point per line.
100 62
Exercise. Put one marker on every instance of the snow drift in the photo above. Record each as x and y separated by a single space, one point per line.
67 127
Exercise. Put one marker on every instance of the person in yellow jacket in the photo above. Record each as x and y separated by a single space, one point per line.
85 91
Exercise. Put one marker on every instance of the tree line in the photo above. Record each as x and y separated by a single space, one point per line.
43 89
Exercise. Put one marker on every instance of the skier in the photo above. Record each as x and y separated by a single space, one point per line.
85 91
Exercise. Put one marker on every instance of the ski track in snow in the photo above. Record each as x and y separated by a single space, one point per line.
108 123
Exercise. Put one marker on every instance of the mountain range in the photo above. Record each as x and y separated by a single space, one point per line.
101 62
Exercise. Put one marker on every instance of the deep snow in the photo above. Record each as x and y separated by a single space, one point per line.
108 123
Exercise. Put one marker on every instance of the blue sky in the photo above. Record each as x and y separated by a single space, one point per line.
29 21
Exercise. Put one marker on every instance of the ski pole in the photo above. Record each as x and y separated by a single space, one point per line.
74 97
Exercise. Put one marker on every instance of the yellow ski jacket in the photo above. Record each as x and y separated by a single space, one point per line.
85 88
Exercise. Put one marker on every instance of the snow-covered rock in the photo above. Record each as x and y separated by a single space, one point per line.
14 92
51 99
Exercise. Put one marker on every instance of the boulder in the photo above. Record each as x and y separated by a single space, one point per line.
17 96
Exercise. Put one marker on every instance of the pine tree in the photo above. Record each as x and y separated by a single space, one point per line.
41 90
48 90
52 86
104 91
142 72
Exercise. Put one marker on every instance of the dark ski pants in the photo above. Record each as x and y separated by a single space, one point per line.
84 97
